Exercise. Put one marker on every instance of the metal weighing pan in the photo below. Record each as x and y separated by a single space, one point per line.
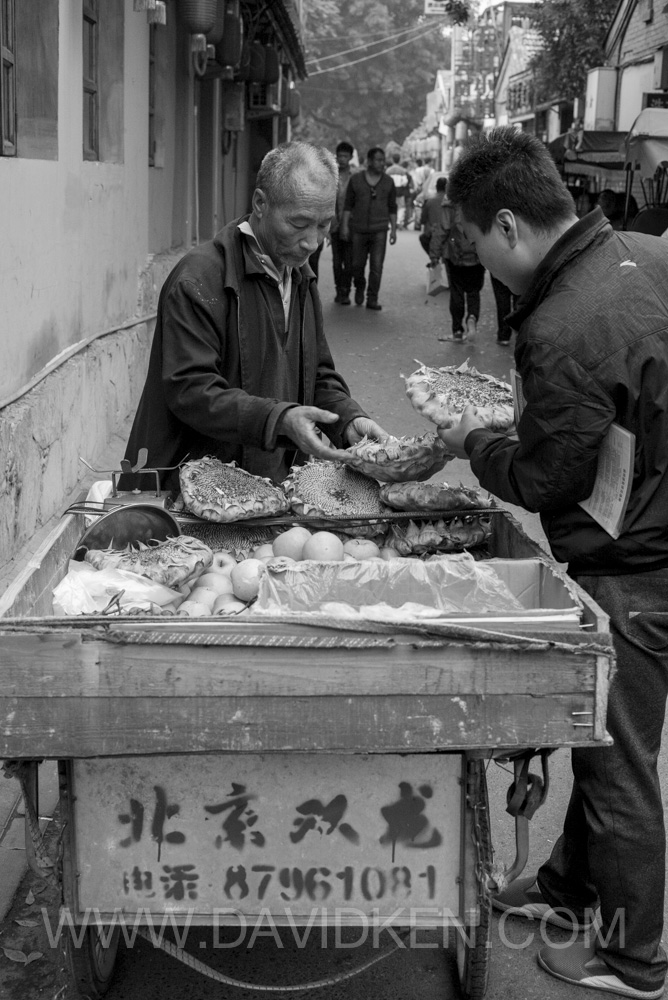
127 525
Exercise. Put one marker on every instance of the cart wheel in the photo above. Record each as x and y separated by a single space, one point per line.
473 942
91 963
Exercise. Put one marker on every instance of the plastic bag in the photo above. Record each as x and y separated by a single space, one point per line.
437 280
447 584
86 590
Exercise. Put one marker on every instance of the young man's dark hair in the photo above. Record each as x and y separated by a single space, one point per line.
505 168
374 151
345 147
441 184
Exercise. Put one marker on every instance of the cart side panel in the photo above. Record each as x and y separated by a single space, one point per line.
301 837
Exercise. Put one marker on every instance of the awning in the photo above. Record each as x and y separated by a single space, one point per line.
598 149
646 145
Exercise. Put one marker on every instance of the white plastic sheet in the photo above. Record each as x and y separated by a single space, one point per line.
383 588
85 590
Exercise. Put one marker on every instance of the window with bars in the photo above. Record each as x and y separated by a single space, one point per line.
91 136
7 79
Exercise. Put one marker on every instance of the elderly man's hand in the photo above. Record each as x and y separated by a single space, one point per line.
364 427
300 424
455 437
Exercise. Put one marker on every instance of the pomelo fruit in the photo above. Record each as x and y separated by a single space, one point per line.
203 595
361 548
223 560
220 582
323 546
245 578
291 542
227 604
264 551
193 609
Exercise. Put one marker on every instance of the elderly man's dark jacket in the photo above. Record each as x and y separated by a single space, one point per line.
201 391
592 348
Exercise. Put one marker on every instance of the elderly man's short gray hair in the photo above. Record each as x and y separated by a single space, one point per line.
276 176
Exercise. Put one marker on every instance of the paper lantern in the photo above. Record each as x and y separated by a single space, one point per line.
228 49
216 33
198 16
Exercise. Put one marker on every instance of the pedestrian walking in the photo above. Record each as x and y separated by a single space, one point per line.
409 196
430 214
370 207
466 275
342 251
402 180
592 351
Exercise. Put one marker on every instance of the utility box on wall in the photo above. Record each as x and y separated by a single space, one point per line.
599 115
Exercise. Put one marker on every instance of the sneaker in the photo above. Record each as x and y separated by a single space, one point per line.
502 342
359 297
579 964
523 898
345 299
374 305
471 327
458 336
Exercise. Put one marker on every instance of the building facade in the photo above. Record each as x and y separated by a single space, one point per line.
126 136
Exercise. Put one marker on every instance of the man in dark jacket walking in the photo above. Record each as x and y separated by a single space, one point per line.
239 367
592 349
370 207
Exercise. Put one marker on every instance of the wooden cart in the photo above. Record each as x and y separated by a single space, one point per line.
217 770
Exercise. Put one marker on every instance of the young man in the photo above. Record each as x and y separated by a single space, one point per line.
342 251
592 348
239 367
370 207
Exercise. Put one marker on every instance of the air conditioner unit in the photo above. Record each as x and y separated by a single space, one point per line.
233 107
264 100
599 115
661 68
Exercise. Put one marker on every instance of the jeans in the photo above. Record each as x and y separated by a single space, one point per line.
371 245
612 848
466 283
342 261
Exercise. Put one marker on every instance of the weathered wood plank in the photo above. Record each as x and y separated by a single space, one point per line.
68 666
87 727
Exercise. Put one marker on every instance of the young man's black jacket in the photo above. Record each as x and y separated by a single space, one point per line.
592 348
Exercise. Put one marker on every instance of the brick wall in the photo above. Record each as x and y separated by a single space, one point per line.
642 39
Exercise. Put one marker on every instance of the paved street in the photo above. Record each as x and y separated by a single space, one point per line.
372 350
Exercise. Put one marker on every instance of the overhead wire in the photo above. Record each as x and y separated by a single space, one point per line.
374 55
366 45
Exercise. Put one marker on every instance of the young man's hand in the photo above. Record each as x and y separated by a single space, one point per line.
454 438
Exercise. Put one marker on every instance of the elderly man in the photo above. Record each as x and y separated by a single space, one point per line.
592 350
239 367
